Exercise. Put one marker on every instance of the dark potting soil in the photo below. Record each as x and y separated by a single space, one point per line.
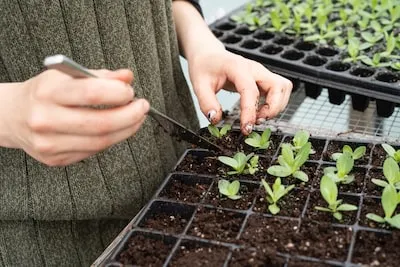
377 249
216 224
379 155
180 191
193 163
316 144
372 189
299 263
247 192
291 205
190 254
373 205
173 224
349 217
140 251
337 146
256 258
354 187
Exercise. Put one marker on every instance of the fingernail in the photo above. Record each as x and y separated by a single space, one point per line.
261 121
249 128
210 115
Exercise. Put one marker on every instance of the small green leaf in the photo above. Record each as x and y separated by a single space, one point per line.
225 129
379 182
234 197
267 188
338 216
389 149
287 154
394 221
344 164
252 142
274 209
266 135
223 187
359 152
302 155
328 190
375 218
330 170
391 170
389 200
346 207
302 176
213 130
322 209
301 138
233 188
228 161
279 171
335 156
347 148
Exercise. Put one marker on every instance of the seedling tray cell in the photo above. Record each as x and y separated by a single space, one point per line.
316 65
188 222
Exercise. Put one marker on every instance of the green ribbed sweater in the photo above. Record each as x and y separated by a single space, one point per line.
51 216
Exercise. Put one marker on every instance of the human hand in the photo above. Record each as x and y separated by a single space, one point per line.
49 116
212 70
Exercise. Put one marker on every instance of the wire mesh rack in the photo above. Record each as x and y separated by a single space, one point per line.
321 118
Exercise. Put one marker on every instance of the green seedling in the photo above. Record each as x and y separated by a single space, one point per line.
300 139
259 141
395 65
275 193
218 133
358 153
228 189
354 48
376 61
391 172
390 200
395 154
289 164
241 163
341 173
329 192
372 38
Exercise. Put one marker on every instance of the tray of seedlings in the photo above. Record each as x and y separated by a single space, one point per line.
347 46
275 200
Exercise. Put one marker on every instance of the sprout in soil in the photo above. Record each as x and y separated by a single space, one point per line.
259 141
329 192
341 173
395 154
300 139
289 164
358 153
275 193
390 200
241 163
228 189
218 133
391 172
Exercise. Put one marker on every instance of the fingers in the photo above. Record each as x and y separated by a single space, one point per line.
86 121
208 102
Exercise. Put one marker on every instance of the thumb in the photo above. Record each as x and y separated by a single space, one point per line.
208 102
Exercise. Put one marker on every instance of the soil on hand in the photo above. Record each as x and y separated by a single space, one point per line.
372 189
291 205
140 251
373 205
317 145
377 249
199 163
216 224
190 254
163 222
256 258
247 192
349 217
181 191
354 187
337 146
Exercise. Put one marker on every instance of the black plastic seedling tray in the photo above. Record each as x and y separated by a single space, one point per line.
187 223
317 66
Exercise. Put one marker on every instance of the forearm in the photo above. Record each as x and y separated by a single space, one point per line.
193 33
6 102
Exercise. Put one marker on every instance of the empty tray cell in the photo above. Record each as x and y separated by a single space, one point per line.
247 193
199 162
316 199
305 46
254 257
283 40
139 249
337 147
250 44
216 224
338 66
243 31
372 189
186 188
231 39
292 55
263 35
167 217
387 77
271 49
327 51
226 26
376 249
362 72
196 253
315 61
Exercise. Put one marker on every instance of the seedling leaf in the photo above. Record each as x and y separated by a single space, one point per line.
375 218
301 176
346 207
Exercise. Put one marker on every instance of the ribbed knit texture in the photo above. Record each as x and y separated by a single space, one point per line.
67 216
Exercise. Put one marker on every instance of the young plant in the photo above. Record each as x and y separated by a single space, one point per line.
259 141
300 139
240 164
341 173
393 153
354 48
218 133
228 189
390 200
275 193
289 164
375 61
391 172
358 153
329 192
